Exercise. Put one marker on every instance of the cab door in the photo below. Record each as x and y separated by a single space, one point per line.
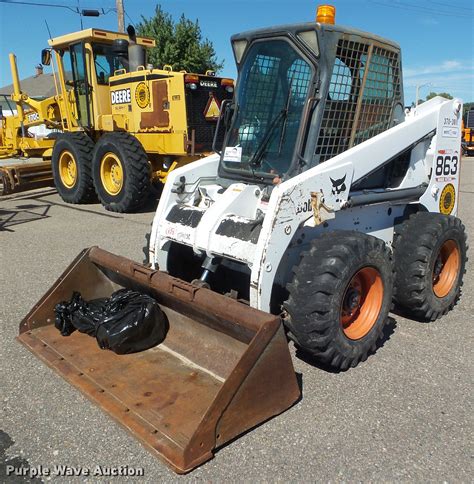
81 84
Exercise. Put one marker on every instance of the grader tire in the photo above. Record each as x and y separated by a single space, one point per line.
121 172
430 253
71 165
340 297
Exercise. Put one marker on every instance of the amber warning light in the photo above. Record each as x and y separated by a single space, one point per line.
326 14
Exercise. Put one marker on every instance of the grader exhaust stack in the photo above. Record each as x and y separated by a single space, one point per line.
222 369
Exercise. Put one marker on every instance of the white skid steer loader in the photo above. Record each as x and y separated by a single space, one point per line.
323 205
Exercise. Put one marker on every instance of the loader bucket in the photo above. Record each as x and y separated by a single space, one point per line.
222 369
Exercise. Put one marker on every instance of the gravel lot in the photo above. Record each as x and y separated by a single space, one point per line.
405 414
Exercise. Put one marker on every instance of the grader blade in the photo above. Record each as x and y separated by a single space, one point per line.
19 177
222 369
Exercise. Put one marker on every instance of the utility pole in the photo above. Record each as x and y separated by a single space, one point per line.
120 15
418 87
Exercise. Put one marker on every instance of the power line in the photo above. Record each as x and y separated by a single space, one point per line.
418 9
451 6
429 8
36 4
129 18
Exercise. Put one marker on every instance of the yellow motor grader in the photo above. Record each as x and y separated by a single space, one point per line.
17 141
125 125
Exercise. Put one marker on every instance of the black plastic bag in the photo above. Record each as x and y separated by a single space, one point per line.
126 322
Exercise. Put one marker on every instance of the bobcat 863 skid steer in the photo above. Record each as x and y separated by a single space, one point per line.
323 205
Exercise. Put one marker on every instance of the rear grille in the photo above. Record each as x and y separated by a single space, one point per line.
364 87
470 119
196 103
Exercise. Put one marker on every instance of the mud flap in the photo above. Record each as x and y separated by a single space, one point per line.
223 368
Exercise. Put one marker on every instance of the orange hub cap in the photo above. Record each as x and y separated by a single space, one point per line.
362 303
446 268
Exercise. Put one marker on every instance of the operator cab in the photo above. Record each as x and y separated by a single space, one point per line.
306 93
111 52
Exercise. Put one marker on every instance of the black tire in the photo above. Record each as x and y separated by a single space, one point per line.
322 283
420 245
80 147
136 179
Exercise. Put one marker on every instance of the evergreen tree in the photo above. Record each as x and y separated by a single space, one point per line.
179 44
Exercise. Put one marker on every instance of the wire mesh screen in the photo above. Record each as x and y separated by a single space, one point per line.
272 93
381 85
341 105
260 100
267 95
347 120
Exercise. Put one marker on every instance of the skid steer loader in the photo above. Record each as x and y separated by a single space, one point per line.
322 204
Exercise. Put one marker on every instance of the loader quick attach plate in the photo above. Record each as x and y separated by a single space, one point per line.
222 369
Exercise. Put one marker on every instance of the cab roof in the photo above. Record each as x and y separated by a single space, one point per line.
331 30
101 35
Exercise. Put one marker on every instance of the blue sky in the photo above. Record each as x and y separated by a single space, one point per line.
437 37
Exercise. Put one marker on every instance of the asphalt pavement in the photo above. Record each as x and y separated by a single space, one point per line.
404 414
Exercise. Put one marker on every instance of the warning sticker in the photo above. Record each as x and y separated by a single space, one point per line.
447 199
212 110
142 95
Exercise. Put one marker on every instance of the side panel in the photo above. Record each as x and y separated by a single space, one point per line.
150 104
442 194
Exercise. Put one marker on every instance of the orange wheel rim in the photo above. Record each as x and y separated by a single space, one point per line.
446 268
361 303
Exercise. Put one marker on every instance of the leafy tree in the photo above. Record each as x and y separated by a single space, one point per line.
432 94
179 44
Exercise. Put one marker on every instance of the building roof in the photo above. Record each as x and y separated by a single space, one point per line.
41 86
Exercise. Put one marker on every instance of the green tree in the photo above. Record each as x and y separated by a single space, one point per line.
432 94
179 44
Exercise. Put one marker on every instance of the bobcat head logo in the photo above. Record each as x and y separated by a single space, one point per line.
338 186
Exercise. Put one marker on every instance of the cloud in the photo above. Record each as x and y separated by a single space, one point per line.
464 78
445 66
455 76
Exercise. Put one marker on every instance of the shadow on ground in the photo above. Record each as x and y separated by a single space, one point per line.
387 332
22 214
19 464
38 208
